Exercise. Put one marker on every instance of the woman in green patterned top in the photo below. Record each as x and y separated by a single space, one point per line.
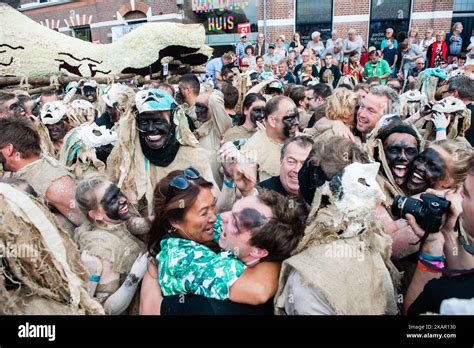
184 239
185 236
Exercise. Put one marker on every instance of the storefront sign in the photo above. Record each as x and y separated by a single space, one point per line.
243 28
224 16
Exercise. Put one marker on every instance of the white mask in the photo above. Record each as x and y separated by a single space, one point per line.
449 105
94 136
53 112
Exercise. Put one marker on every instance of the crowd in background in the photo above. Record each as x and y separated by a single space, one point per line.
269 184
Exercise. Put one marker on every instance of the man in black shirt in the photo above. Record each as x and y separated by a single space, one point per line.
293 154
446 249
330 73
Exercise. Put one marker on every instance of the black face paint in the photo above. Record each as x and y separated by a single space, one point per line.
202 112
427 169
154 129
103 152
57 131
90 93
157 138
179 97
291 123
400 155
257 114
250 218
114 204
113 114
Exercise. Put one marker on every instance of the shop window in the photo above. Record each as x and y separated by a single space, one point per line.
313 16
385 14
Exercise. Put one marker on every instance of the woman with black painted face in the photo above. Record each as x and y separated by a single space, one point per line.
400 146
441 166
254 112
108 249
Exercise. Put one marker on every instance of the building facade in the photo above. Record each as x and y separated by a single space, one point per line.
104 21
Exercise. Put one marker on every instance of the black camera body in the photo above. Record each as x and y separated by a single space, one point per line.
428 212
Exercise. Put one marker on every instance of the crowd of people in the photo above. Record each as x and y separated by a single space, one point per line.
287 179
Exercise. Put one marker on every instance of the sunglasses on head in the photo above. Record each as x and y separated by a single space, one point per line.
181 182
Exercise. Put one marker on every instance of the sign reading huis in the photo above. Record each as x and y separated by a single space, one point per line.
223 16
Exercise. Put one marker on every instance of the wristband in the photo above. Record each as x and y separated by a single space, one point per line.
94 278
229 184
427 257
424 268
440 129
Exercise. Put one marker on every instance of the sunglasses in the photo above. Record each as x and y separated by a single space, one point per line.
181 182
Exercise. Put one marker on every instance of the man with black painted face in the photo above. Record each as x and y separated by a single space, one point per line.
153 141
282 121
108 249
54 117
89 91
10 105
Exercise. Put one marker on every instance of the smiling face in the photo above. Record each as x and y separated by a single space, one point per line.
291 164
400 151
371 109
90 93
429 170
155 128
247 214
198 222
113 205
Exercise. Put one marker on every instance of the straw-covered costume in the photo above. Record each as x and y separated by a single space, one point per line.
342 265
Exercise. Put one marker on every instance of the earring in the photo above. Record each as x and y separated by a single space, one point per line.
172 230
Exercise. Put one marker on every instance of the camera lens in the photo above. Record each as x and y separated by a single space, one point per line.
397 205
406 205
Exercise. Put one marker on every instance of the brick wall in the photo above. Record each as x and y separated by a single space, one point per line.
351 7
277 9
274 32
432 5
430 23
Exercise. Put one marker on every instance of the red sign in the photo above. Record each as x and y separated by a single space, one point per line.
243 28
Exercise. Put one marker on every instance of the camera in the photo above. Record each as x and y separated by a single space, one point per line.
428 212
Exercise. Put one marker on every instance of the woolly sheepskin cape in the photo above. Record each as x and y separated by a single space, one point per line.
30 49
41 271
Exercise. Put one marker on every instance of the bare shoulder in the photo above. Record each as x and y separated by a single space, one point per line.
60 188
